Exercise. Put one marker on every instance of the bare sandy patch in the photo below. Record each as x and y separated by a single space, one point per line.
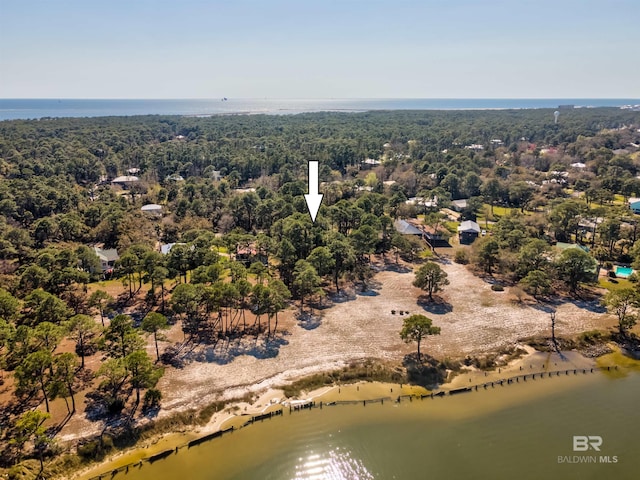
473 318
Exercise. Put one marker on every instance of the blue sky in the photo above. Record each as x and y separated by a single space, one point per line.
319 49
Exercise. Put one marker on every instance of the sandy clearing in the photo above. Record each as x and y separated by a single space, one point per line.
363 326
357 326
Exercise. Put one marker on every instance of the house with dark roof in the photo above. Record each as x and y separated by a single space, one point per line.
468 231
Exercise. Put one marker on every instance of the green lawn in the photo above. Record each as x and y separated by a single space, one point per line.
618 199
616 284
426 253
452 226
480 220
500 211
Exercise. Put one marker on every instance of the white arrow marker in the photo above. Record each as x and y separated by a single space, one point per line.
313 198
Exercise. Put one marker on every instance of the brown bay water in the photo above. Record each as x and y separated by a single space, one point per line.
522 431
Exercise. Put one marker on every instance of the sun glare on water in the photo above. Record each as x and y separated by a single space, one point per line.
337 464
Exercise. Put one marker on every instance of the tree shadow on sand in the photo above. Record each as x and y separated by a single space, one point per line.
368 293
397 268
151 412
308 320
438 306
225 352
342 297
101 406
591 304
427 372
368 289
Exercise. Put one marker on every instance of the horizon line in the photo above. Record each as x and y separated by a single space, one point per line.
320 98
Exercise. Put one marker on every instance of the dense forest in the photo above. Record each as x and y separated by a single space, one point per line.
230 243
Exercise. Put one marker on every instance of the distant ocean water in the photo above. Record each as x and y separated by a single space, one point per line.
11 109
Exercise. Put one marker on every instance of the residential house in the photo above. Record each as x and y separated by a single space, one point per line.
152 210
174 177
427 233
468 231
108 257
244 190
476 147
459 205
423 202
406 228
125 181
370 163
165 248
248 254
563 246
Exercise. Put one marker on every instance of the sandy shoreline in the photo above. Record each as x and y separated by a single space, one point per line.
236 414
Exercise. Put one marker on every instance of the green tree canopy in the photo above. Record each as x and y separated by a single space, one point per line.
29 428
306 281
536 283
101 300
40 306
34 373
431 278
83 329
574 265
487 254
142 372
620 303
415 328
9 305
121 337
153 323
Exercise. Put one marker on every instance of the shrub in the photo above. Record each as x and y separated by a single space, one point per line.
496 287
461 256
22 471
152 398
449 364
115 405
591 337
96 449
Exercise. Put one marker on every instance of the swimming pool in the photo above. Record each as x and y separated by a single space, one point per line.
623 272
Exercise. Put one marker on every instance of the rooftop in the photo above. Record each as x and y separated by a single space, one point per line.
469 226
151 207
125 179
371 161
107 255
404 227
